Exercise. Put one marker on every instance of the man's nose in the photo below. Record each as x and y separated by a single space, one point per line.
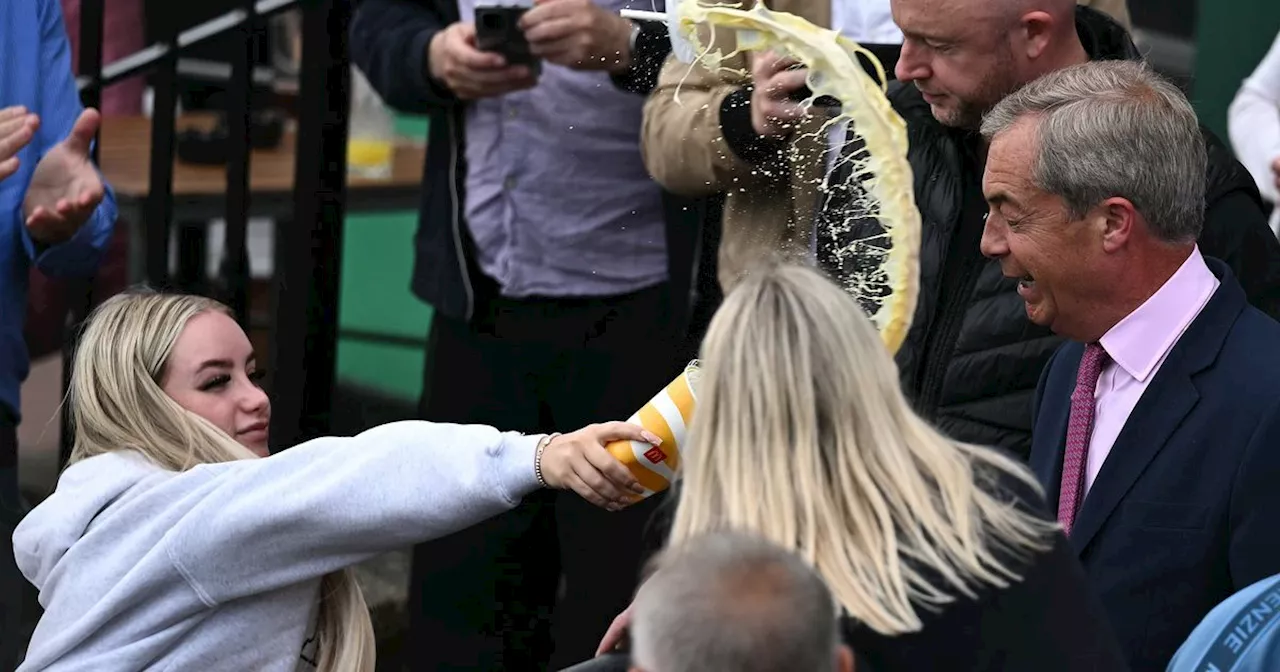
994 244
911 64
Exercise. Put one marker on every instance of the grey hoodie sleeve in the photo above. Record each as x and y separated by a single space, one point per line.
257 525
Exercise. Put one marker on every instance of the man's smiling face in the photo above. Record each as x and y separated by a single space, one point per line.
1034 237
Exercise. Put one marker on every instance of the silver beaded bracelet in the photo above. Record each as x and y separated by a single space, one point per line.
537 457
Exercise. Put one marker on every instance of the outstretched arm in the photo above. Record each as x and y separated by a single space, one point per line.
255 525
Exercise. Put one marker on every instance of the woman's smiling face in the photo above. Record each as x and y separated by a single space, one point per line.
212 372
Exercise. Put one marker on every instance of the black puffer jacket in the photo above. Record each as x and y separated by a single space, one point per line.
971 360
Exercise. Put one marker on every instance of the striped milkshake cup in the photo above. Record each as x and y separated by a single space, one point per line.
668 416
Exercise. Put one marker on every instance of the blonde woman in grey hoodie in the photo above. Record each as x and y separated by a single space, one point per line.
172 543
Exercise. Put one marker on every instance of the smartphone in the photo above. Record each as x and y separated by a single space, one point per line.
498 30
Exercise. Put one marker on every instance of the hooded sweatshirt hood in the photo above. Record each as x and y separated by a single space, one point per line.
85 490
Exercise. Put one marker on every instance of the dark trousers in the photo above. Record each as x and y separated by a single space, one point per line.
484 598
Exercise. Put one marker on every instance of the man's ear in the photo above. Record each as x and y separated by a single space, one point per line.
1037 32
1119 221
844 659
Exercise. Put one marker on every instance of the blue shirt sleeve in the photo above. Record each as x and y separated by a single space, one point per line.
1241 634
59 107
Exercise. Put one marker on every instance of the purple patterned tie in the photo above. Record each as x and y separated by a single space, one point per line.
1079 431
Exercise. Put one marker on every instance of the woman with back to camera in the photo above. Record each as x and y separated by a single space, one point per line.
939 553
169 544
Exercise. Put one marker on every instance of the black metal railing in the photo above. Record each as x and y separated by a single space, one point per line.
307 246
308 251
80 291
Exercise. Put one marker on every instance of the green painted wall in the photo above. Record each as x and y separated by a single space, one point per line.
1231 38
390 370
377 257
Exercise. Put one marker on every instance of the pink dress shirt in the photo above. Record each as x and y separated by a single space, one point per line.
1137 346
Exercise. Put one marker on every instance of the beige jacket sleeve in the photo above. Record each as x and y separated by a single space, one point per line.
1116 9
681 139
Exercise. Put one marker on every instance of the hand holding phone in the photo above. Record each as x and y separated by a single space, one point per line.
455 60
498 31
579 34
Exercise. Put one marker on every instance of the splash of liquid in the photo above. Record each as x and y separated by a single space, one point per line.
869 205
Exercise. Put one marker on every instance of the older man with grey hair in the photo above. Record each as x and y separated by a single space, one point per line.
734 602
1156 426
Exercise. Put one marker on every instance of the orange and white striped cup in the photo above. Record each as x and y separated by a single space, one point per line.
667 415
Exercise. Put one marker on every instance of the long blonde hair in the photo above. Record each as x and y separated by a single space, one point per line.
116 403
803 436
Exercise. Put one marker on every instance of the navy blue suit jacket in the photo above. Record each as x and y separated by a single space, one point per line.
1185 510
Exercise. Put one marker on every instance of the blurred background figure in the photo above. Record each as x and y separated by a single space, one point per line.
735 602
1254 123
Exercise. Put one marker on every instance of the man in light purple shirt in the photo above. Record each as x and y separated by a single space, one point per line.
558 200
1156 429
542 248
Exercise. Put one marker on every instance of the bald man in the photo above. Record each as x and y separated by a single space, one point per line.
971 359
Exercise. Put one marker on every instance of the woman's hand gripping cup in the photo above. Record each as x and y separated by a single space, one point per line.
579 462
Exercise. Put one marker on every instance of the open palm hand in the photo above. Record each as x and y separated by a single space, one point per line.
65 188
17 128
